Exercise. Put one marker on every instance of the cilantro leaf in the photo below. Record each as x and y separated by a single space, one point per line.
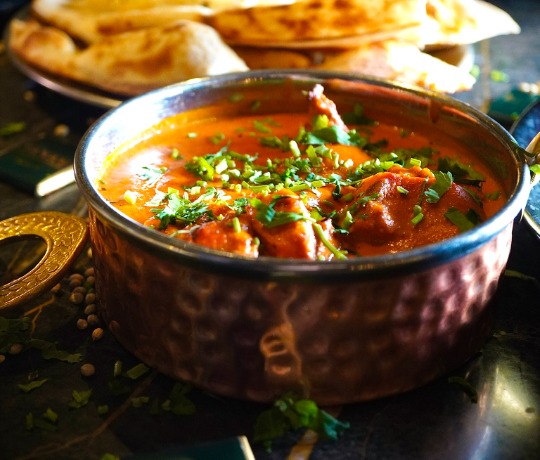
12 128
80 398
462 173
357 117
178 403
137 371
331 134
49 351
13 331
182 210
152 174
443 182
269 217
26 388
463 221
292 413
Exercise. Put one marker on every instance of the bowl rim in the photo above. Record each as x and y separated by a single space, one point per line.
294 270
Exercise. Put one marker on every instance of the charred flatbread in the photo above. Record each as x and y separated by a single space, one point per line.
130 46
403 62
307 20
128 63
462 22
92 20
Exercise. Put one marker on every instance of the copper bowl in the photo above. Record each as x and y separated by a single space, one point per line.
336 332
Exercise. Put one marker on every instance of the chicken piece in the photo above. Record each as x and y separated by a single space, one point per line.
320 104
223 236
384 211
381 213
295 240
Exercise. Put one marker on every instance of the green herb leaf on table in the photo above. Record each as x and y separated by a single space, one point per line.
11 128
28 387
80 398
292 413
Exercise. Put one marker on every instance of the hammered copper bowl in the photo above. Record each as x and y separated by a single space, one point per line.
336 332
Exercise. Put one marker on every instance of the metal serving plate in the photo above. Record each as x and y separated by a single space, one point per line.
64 86
524 130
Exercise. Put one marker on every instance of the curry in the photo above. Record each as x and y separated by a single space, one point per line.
319 185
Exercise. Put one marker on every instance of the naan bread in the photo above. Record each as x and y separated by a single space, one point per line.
307 20
130 46
462 22
403 62
128 63
92 20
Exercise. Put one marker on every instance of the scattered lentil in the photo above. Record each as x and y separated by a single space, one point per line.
29 95
61 130
15 348
82 324
2 358
90 280
90 298
89 271
97 334
80 289
90 309
87 370
92 319
75 280
76 298
117 370
56 288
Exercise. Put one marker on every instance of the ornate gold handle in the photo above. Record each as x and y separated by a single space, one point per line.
64 236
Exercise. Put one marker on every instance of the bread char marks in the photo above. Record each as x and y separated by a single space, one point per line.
316 20
157 61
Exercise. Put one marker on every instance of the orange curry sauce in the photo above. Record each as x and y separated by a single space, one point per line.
266 186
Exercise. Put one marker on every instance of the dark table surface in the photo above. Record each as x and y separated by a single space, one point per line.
438 420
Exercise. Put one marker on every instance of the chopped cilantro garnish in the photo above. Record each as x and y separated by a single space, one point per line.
493 196
461 173
418 215
443 182
275 142
181 210
261 127
26 388
12 128
178 403
269 217
50 415
152 174
402 190
357 117
175 154
217 138
292 413
137 371
320 234
49 351
331 134
236 97
463 221
80 398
